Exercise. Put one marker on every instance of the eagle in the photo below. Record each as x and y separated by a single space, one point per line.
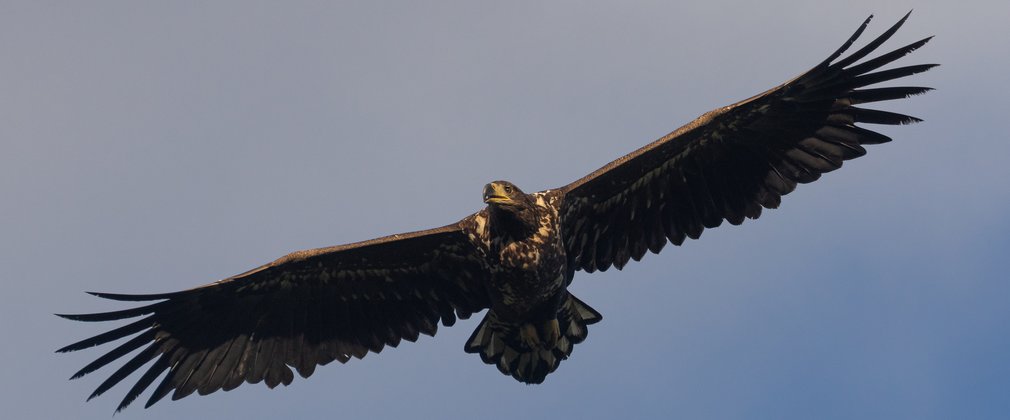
514 258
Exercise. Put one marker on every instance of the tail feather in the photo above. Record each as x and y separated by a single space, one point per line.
511 349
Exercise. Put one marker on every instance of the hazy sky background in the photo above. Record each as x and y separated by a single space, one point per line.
156 147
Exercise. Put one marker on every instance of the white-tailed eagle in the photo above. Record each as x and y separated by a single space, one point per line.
515 257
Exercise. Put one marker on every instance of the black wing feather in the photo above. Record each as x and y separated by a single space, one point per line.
305 309
732 162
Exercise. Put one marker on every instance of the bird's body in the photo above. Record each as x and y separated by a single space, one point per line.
516 257
527 265
519 237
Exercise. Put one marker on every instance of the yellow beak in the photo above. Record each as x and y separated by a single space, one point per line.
495 194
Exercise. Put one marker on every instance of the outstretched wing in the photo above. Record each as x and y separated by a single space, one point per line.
305 309
731 162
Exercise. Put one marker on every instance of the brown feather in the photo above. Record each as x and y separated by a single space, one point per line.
731 162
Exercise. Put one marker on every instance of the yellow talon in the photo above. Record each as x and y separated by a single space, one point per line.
529 337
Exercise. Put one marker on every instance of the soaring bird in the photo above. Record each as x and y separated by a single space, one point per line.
515 257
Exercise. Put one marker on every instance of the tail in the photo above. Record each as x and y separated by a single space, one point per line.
530 352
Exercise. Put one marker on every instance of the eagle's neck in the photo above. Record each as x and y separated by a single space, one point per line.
513 223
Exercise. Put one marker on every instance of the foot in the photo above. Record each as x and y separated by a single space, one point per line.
551 332
529 337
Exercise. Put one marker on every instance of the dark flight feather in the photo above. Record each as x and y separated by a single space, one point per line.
305 309
731 162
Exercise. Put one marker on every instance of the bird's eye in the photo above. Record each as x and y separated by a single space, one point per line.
508 189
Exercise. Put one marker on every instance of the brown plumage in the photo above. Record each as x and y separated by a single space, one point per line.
515 257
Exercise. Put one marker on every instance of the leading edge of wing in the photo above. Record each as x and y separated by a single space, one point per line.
291 257
825 65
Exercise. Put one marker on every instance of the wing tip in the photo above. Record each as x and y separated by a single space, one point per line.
124 297
848 42
72 317
868 48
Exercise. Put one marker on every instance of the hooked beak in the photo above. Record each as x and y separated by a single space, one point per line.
495 194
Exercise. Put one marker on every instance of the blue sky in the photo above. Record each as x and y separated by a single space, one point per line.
151 148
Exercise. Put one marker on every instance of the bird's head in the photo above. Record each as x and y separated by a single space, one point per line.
504 194
514 208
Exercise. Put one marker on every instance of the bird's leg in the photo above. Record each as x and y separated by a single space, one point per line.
551 332
529 337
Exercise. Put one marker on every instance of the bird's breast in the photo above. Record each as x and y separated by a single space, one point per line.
529 271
